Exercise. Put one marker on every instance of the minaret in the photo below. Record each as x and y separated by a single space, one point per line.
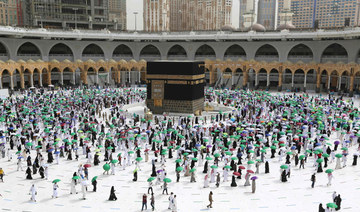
286 16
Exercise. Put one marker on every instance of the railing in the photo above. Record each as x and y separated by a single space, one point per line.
199 35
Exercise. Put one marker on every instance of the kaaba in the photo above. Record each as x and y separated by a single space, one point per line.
175 86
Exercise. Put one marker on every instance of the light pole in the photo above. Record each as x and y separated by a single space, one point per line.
75 9
135 13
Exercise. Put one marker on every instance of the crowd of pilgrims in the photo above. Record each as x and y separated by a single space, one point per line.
91 123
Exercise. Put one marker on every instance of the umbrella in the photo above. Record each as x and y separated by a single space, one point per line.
250 171
289 153
87 165
179 169
168 180
192 170
284 167
338 155
94 178
254 178
114 161
194 159
208 158
250 162
241 167
331 205
56 181
325 155
320 160
227 167
139 159
301 157
329 171
217 155
151 179
178 160
214 167
236 174
76 178
106 167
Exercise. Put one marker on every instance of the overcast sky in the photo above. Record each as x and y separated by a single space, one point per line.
137 6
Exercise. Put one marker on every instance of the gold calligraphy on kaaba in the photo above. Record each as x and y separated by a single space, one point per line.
157 89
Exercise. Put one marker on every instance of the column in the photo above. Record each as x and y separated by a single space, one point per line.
256 79
22 81
318 82
329 77
129 77
280 81
268 80
73 78
305 80
351 86
97 78
11 82
108 78
232 78
245 78
1 83
61 78
139 77
339 84
40 79
31 80
292 80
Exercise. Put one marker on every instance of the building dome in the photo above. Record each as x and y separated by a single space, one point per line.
257 28
286 26
227 27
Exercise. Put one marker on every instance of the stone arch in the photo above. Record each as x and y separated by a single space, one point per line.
177 52
299 76
235 52
267 53
334 53
150 52
122 51
300 52
27 78
205 52
344 80
311 76
17 78
93 50
274 78
287 76
61 51
5 78
262 78
239 74
68 76
324 75
55 74
4 53
28 50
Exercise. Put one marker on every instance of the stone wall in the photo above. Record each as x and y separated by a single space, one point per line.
176 106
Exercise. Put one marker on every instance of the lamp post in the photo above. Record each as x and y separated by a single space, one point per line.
135 13
75 9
